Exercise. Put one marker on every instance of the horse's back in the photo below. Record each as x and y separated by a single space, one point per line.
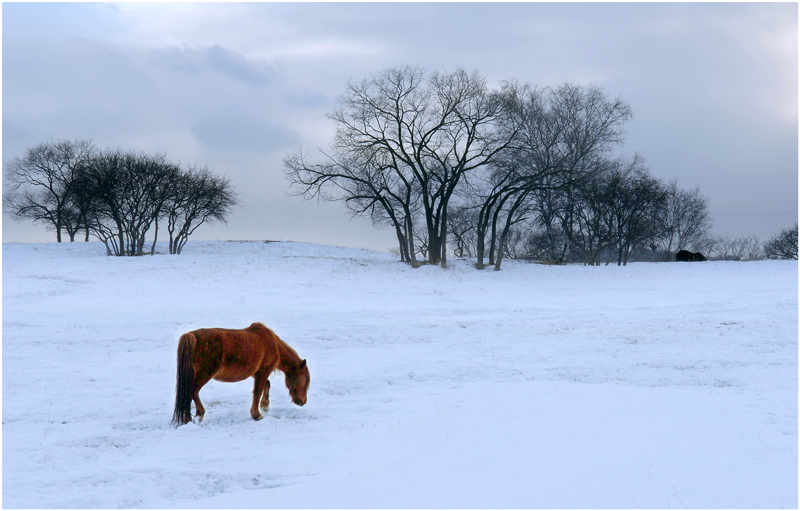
235 354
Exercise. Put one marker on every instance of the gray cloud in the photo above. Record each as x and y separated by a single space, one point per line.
253 72
308 99
237 67
233 130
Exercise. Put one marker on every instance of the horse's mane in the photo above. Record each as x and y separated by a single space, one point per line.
286 352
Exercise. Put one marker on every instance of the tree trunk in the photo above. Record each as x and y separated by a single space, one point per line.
121 247
412 250
443 238
500 249
493 240
155 238
480 248
401 243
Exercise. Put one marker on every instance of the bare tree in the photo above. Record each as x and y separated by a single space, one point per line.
198 197
559 136
590 125
129 192
616 210
415 138
367 185
492 195
40 185
728 248
470 140
635 201
783 245
685 219
591 205
463 229
522 167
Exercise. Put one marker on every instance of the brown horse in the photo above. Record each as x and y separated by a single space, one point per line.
235 355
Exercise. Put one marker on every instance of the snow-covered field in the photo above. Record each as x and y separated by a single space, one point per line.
664 385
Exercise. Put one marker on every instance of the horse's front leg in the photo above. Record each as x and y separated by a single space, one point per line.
258 389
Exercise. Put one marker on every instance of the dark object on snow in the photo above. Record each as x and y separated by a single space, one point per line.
685 255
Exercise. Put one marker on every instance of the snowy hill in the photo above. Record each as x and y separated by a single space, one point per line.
652 385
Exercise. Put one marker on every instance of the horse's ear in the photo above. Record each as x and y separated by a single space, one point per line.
303 364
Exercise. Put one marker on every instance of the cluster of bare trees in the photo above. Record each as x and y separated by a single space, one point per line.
616 210
529 242
442 157
119 197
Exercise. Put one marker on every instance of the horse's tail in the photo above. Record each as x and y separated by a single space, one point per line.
185 384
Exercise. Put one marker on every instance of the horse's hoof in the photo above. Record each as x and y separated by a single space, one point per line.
257 417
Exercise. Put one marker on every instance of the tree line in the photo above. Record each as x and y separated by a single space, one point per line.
442 158
119 197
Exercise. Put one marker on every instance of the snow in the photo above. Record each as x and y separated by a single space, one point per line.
656 385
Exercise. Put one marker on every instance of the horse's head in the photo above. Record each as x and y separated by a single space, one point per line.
297 380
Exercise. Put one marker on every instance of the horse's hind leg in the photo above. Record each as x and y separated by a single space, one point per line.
199 410
200 380
258 389
265 395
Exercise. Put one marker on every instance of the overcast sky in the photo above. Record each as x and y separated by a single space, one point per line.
713 88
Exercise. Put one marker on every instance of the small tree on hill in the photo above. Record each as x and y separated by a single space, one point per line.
40 185
198 197
685 220
783 245
129 192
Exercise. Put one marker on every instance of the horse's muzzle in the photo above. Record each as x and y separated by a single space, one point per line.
299 402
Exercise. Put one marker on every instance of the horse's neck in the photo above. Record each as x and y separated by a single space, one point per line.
289 359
